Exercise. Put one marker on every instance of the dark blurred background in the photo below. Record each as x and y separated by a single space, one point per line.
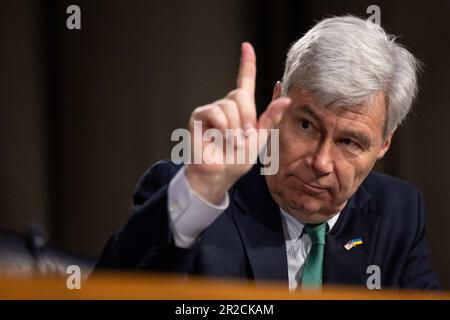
83 113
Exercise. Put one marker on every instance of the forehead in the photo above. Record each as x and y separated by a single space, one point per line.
369 115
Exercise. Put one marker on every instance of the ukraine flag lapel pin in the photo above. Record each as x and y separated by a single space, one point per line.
353 243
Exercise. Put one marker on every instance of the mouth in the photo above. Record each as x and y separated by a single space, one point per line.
309 188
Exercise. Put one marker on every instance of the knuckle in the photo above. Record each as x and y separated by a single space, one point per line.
200 111
195 113
215 107
218 115
216 110
237 94
227 103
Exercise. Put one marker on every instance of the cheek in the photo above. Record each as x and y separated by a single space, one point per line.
345 175
292 147
286 138
350 175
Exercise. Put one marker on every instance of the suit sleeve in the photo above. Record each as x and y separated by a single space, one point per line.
146 241
417 273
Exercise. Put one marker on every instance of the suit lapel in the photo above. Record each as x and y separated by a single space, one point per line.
355 221
259 223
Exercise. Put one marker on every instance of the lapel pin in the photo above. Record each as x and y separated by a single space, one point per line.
353 243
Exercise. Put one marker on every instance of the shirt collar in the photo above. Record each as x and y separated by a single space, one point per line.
293 228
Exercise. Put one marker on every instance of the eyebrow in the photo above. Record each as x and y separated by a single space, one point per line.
359 136
306 109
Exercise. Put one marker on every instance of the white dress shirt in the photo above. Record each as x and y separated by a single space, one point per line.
190 214
298 246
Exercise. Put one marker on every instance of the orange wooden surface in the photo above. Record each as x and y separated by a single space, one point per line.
145 286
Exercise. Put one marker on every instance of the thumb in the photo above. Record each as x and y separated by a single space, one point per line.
271 118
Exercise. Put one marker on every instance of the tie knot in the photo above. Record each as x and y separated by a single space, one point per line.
316 232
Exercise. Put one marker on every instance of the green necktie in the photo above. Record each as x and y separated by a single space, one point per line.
312 269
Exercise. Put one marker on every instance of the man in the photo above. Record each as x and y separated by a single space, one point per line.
324 216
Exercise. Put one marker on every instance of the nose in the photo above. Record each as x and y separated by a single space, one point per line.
321 159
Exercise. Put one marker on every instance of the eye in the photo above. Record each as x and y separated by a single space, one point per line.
349 142
305 124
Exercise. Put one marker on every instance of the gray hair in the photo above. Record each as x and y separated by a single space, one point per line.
345 60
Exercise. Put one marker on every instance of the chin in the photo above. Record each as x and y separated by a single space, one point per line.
307 205
310 206
309 213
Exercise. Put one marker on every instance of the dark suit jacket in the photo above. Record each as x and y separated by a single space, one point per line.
247 241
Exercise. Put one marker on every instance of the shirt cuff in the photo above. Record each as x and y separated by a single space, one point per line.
190 214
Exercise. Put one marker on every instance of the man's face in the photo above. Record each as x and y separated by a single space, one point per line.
325 154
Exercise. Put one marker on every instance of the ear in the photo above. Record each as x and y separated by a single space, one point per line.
276 90
386 145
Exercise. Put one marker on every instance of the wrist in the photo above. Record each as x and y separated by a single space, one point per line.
211 187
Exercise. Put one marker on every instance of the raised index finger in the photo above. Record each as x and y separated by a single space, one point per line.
247 69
